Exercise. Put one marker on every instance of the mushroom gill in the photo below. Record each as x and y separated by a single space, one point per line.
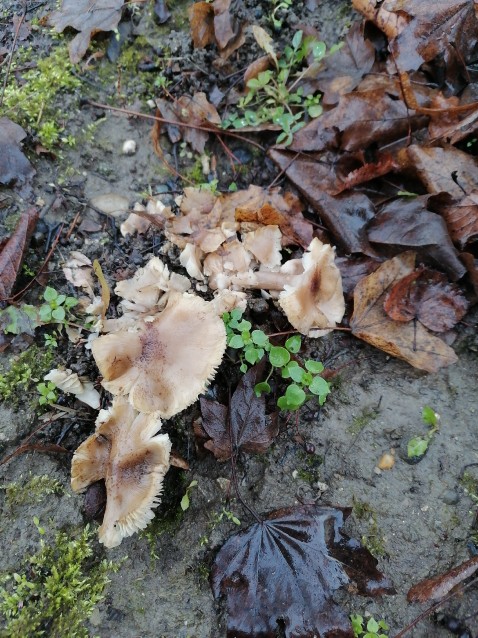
133 461
166 362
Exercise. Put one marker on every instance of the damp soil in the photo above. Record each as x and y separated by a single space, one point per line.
417 519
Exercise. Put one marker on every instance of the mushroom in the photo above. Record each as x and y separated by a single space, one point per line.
229 259
123 451
265 244
315 298
166 362
69 381
190 259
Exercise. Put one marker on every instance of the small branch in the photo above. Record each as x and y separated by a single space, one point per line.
12 51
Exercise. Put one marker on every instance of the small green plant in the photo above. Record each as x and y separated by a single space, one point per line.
305 381
274 95
47 393
50 340
56 591
56 306
280 7
217 519
185 501
418 445
24 372
33 490
368 628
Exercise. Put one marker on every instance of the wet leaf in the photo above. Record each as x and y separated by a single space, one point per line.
408 341
428 296
460 215
286 569
12 253
21 320
434 589
201 20
407 224
88 17
212 23
244 425
14 166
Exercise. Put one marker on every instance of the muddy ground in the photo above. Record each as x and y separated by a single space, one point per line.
417 519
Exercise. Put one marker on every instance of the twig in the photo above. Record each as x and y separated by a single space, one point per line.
10 59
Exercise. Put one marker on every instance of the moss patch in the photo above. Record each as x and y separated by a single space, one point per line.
33 490
24 372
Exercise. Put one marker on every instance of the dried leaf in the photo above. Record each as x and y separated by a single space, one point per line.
408 341
256 67
460 215
13 163
287 568
265 41
434 589
244 424
105 289
201 20
407 224
426 295
12 253
88 17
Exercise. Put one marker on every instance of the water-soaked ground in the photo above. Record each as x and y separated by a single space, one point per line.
417 519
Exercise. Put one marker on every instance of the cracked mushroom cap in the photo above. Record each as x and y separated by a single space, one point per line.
133 462
165 363
315 298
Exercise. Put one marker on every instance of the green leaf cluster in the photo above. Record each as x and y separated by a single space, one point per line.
368 629
24 372
273 96
56 591
418 445
305 381
47 393
56 306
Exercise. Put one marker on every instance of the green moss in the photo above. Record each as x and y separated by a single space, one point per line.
159 526
33 490
25 371
470 485
310 470
362 420
373 539
56 591
33 102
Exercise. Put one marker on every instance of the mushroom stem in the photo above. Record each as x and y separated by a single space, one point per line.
262 279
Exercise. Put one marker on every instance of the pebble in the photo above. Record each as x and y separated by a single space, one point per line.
450 497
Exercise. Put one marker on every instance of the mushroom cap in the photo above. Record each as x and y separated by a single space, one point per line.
315 298
166 363
69 381
133 462
265 244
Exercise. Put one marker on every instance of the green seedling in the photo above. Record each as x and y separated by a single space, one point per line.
47 393
185 501
368 628
56 307
282 6
305 381
274 96
418 445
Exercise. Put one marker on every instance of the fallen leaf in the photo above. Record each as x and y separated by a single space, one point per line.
460 215
265 41
13 163
406 224
428 296
12 253
353 270
212 23
88 17
286 569
201 21
436 588
21 320
242 426
161 11
408 341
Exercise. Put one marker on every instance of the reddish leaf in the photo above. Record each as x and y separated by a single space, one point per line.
88 17
201 20
407 224
461 216
434 589
367 172
287 569
426 295
13 163
12 254
244 424
409 341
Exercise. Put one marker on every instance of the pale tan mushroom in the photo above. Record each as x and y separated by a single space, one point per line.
167 362
133 461
190 259
315 298
229 259
69 381
265 244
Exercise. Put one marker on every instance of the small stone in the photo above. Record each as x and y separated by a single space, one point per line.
129 147
321 487
450 497
224 484
386 461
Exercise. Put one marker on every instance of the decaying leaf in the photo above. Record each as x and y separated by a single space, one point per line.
409 341
13 163
434 589
460 215
427 296
212 23
11 256
286 569
242 426
87 17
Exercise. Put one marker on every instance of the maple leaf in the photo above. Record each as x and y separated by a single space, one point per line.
409 341
13 163
287 568
242 426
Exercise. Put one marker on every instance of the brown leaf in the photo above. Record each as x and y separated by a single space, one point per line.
384 164
88 17
408 341
256 67
434 589
13 163
358 121
244 424
460 215
11 256
212 23
353 270
426 295
287 568
201 20
408 225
